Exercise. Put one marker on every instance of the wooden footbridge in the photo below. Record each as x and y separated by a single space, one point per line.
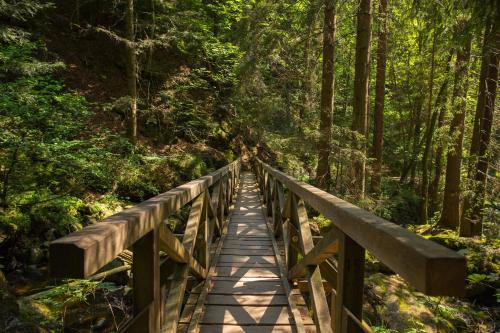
248 260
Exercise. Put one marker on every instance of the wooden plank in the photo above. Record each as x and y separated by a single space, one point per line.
82 253
247 329
255 300
248 242
429 267
174 249
246 315
247 233
178 285
316 291
291 302
146 283
324 249
174 299
247 247
247 259
350 281
245 264
358 325
250 252
202 249
247 287
215 227
247 272
321 311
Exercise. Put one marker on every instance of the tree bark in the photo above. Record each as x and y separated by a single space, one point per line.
427 190
378 116
323 176
471 224
308 75
360 105
438 164
428 137
450 215
131 72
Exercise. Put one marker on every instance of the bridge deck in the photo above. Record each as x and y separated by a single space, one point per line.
246 292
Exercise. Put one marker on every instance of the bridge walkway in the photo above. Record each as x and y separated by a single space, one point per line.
246 291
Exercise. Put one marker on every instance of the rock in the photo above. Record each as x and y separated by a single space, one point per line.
36 255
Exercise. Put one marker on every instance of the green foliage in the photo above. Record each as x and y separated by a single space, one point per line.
48 309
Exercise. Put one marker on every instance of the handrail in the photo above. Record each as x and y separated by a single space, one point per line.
82 253
427 266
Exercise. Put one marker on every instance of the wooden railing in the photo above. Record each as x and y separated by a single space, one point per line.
339 256
142 229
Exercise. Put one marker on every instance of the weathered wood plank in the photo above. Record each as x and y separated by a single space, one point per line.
247 287
174 249
247 272
245 264
324 249
246 315
146 283
247 329
255 300
350 281
250 252
247 259
317 294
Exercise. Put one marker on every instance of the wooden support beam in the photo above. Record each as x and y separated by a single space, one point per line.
146 284
324 249
269 195
174 299
316 291
175 250
350 282
178 285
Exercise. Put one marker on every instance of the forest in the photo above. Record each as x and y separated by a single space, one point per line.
389 105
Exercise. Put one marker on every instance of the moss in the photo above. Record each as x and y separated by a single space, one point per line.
395 307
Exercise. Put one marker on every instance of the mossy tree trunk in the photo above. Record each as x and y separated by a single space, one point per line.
471 224
450 215
378 116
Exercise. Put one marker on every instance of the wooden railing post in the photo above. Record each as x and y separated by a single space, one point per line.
269 195
293 238
350 282
278 203
146 284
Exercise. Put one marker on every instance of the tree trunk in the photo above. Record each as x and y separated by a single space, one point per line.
323 176
360 105
416 140
378 116
308 76
471 224
131 72
429 192
428 138
450 215
438 165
